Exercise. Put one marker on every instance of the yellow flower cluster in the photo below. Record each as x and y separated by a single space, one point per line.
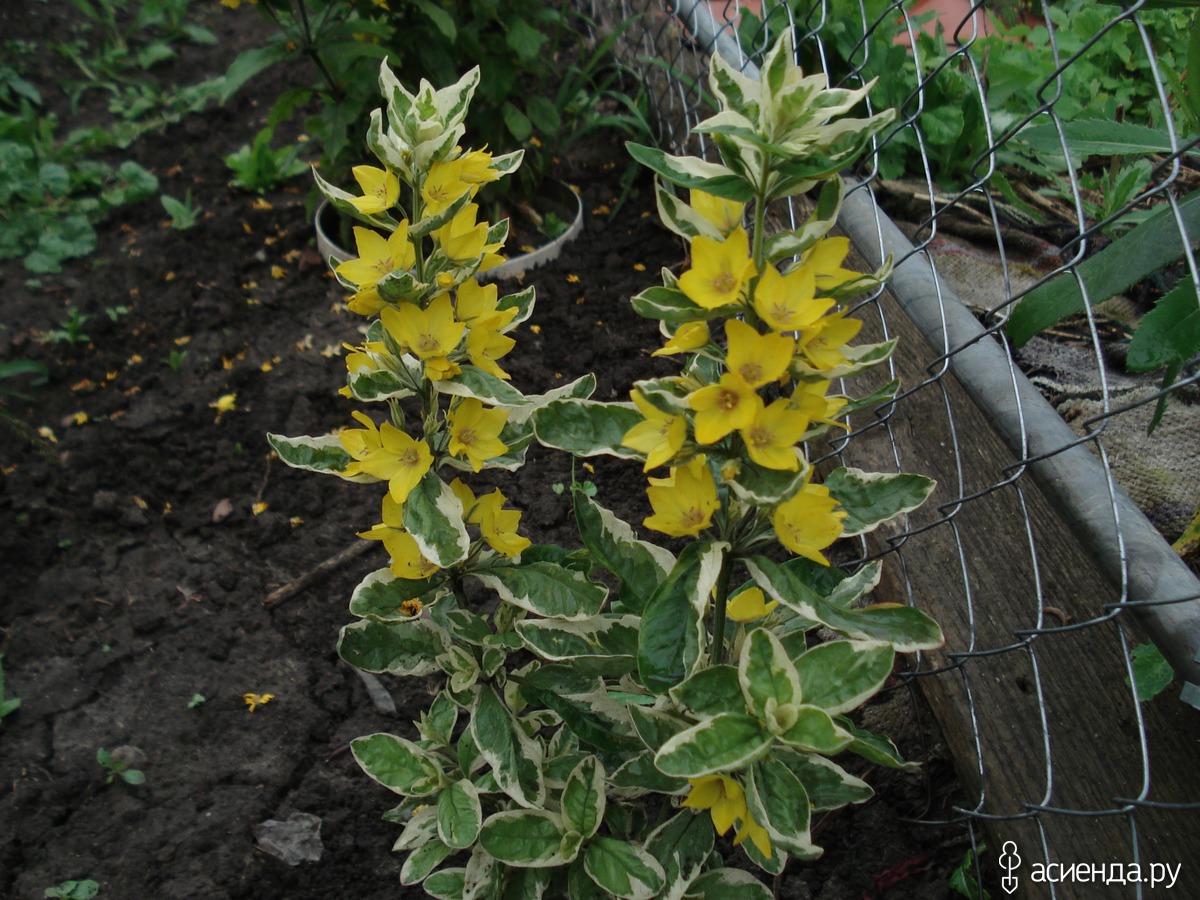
783 341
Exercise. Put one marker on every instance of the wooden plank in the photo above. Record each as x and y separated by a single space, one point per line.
1031 721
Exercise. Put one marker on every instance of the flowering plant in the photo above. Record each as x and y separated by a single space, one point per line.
580 729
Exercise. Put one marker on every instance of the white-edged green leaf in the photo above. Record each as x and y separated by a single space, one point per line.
681 218
725 742
827 784
765 673
638 775
583 797
779 803
418 830
839 676
623 869
872 498
681 845
718 884
583 703
596 637
446 884
710 691
815 732
459 814
423 860
398 764
372 385
515 758
640 566
586 427
693 172
380 595
673 628
875 747
546 589
526 838
579 389
433 515
906 628
316 453
473 381
410 647
673 306
760 486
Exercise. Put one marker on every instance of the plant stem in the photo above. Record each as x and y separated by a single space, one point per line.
720 600
310 48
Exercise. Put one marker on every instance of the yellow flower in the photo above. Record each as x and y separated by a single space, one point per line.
443 186
475 432
808 522
386 453
758 358
407 560
822 346
660 436
428 333
720 270
254 701
477 167
729 405
684 502
749 606
381 189
726 215
787 302
485 345
378 256
771 438
462 238
688 336
499 525
725 800
809 398
825 260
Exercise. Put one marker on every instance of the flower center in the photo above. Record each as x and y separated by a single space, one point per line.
724 283
693 517
728 400
752 372
428 344
467 436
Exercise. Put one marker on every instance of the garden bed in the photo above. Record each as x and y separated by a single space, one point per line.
140 542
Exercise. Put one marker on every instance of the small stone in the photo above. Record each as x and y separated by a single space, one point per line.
295 840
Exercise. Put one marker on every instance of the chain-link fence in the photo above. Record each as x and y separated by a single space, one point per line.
1038 195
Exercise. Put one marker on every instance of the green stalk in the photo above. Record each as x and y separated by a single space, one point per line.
720 601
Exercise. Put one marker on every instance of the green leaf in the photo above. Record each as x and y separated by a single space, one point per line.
872 498
459 814
447 884
323 454
249 63
827 784
727 741
719 883
693 172
441 19
380 595
584 705
398 764
1169 333
840 676
517 122
1151 671
815 731
638 774
473 381
682 845
760 486
583 797
875 747
780 804
586 427
672 306
546 589
424 860
711 691
433 515
1149 247
905 628
527 838
673 634
398 648
639 565
1096 137
765 673
515 758
623 869
598 637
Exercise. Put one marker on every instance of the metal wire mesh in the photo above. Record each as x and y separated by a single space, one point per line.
1042 570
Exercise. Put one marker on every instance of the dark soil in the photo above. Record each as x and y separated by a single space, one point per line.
138 550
